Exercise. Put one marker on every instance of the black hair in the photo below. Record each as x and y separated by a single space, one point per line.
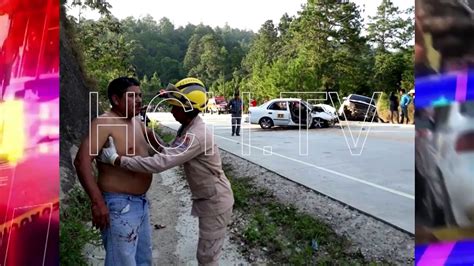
402 90
119 86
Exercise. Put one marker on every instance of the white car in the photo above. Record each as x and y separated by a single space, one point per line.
286 112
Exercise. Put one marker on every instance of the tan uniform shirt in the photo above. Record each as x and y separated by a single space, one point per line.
195 149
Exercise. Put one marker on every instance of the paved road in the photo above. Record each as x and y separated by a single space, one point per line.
377 179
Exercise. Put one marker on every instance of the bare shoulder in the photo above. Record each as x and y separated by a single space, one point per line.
107 118
104 124
138 121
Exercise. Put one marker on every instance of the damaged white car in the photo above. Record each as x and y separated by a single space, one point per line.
292 112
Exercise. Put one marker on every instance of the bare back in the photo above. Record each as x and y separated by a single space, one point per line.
116 179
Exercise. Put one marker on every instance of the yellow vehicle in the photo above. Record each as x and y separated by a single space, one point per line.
212 106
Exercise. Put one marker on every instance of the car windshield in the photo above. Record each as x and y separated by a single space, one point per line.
362 99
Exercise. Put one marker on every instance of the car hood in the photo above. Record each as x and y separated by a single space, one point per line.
328 114
326 108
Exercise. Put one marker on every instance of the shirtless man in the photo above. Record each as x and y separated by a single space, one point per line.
120 208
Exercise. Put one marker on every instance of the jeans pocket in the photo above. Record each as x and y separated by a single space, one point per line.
118 206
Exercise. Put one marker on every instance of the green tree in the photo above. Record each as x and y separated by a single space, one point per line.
391 31
107 53
315 52
211 59
103 7
261 51
192 58
388 29
145 84
155 83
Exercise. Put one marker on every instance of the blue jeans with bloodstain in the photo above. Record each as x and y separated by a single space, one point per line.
127 241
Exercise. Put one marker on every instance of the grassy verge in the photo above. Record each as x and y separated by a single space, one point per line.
285 234
74 233
165 136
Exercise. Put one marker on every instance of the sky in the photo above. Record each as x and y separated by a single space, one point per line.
242 14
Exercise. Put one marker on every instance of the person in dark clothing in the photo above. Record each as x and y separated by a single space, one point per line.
235 106
393 106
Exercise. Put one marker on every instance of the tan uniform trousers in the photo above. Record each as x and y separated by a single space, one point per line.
212 232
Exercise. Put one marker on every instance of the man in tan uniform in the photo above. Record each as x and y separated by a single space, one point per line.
119 204
193 147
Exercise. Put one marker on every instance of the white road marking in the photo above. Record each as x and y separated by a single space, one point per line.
399 193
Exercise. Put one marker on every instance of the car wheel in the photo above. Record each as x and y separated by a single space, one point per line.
319 123
266 123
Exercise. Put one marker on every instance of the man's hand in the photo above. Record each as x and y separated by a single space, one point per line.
108 154
100 215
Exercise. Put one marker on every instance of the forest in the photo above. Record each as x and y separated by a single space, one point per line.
326 47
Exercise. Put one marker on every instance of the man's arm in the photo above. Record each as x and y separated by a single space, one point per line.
83 164
160 162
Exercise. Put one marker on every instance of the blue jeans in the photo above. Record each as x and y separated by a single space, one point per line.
127 241
404 115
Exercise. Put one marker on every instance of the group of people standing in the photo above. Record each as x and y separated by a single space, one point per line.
405 100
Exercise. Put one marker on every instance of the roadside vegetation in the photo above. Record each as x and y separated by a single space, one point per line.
74 234
159 130
285 234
